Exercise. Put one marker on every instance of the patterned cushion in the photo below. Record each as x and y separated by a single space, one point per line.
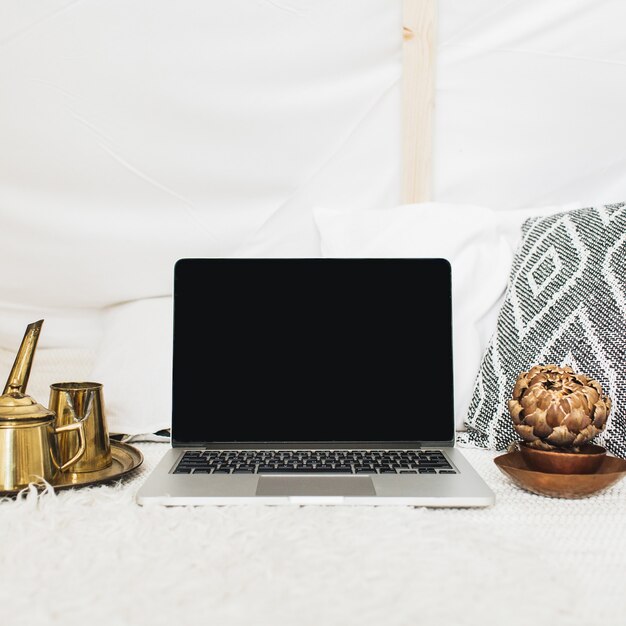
565 304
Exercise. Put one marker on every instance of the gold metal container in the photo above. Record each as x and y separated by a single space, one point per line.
82 402
28 437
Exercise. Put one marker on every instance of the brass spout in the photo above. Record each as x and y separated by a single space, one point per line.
20 372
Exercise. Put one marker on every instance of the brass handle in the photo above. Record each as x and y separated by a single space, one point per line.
81 445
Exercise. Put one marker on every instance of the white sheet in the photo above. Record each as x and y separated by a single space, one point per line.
133 135
530 101
527 560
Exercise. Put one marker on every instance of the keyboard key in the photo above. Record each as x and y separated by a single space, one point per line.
326 470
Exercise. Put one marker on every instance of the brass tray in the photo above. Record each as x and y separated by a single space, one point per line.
610 471
126 458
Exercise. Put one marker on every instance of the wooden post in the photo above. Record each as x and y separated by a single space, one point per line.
418 98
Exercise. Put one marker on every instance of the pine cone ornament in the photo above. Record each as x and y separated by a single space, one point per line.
555 408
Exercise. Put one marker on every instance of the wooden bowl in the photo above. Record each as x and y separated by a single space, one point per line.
514 466
587 461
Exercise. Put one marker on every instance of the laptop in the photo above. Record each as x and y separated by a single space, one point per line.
313 381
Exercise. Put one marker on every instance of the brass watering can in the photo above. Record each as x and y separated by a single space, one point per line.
29 451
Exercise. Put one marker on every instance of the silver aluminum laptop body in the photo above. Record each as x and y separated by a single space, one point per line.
313 355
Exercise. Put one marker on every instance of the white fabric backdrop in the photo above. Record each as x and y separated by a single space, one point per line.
132 134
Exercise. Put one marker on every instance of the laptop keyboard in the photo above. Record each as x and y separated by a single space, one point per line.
313 462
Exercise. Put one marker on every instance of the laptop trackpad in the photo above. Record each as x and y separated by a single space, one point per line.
315 486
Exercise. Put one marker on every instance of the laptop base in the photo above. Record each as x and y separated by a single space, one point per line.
464 489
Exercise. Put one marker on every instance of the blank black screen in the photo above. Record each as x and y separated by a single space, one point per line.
312 350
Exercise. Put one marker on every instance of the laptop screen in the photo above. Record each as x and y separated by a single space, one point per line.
312 350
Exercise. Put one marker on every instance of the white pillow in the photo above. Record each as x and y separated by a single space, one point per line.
134 364
64 328
134 358
479 242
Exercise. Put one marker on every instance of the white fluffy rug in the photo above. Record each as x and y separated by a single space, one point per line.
92 556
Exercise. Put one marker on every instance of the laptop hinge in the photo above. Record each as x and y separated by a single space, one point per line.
320 445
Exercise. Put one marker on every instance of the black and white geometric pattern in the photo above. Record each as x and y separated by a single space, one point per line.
565 304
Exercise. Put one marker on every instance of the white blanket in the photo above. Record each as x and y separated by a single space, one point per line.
94 556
